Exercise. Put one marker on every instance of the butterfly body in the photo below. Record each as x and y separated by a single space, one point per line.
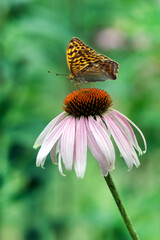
88 66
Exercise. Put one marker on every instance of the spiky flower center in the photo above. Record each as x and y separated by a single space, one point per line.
87 102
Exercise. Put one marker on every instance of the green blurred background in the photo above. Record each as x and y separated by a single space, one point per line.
37 204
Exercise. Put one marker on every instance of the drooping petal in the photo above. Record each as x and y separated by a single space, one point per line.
43 162
53 153
50 140
80 149
48 129
125 147
100 121
127 129
60 162
96 152
103 141
131 141
67 143
123 116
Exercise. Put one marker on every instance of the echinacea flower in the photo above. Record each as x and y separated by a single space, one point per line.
89 120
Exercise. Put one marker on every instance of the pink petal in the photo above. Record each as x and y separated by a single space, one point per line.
126 128
123 116
50 140
96 151
80 154
43 162
103 141
53 153
100 121
122 142
48 129
59 162
67 143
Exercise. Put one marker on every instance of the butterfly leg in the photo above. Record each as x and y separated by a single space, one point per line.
77 86
80 86
93 85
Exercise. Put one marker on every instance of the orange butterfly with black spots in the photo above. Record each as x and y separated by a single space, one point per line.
86 65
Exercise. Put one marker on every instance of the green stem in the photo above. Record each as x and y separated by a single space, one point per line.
121 208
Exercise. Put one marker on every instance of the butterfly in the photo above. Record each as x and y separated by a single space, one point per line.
86 65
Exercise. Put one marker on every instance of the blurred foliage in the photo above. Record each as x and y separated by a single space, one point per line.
37 204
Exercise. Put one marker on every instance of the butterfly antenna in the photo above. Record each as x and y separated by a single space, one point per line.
57 74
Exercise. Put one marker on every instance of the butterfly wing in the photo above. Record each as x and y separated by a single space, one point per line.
99 71
85 65
83 59
75 59
109 66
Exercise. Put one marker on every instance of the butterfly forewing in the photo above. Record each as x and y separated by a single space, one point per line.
74 49
82 59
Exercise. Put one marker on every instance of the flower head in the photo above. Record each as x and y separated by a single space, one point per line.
88 120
